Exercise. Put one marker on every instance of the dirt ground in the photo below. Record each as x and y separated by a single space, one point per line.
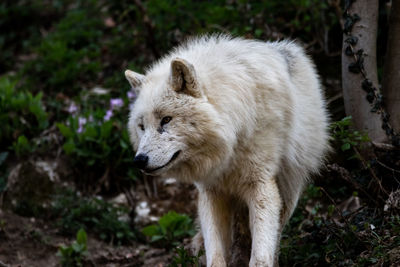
34 242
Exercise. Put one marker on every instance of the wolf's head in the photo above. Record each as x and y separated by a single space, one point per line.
173 127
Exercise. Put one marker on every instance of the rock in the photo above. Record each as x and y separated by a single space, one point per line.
394 256
29 187
120 200
392 204
142 212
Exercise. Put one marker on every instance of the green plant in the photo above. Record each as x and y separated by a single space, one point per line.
74 254
101 217
22 146
22 116
69 54
170 228
183 258
346 136
99 143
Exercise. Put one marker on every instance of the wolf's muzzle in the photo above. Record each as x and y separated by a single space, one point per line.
140 161
176 154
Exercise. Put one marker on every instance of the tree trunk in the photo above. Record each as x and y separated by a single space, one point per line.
354 96
391 75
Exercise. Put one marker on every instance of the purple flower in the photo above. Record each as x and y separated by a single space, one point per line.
81 121
73 108
131 94
80 129
108 115
116 103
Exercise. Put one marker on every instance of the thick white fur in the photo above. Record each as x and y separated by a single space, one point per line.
254 130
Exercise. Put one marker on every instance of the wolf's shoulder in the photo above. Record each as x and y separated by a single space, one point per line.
215 50
211 42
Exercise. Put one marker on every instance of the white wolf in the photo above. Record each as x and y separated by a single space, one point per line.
244 120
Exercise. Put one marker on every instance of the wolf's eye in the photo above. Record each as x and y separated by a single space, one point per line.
141 126
165 120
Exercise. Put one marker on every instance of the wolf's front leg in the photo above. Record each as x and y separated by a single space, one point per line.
215 220
264 202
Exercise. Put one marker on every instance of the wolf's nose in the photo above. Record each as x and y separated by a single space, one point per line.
140 161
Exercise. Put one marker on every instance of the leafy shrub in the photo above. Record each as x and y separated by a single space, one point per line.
317 235
22 116
346 136
101 217
171 228
98 143
74 254
183 258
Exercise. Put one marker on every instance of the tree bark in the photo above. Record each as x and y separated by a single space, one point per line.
391 74
355 100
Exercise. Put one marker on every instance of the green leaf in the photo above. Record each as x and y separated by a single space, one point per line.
81 237
166 220
151 230
123 144
155 238
106 128
77 247
65 131
119 235
90 132
258 33
69 147
345 146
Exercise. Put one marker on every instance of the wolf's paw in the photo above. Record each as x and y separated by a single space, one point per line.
197 243
260 263
218 261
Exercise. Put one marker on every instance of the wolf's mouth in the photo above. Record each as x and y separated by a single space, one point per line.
174 156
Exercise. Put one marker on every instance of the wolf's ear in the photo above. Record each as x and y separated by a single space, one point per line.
134 79
183 78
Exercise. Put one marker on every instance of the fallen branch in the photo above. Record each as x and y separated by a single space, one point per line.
345 175
384 146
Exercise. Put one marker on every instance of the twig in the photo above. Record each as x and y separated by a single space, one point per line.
102 180
387 167
129 197
371 171
345 175
384 146
146 186
2 264
155 189
340 213
334 98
